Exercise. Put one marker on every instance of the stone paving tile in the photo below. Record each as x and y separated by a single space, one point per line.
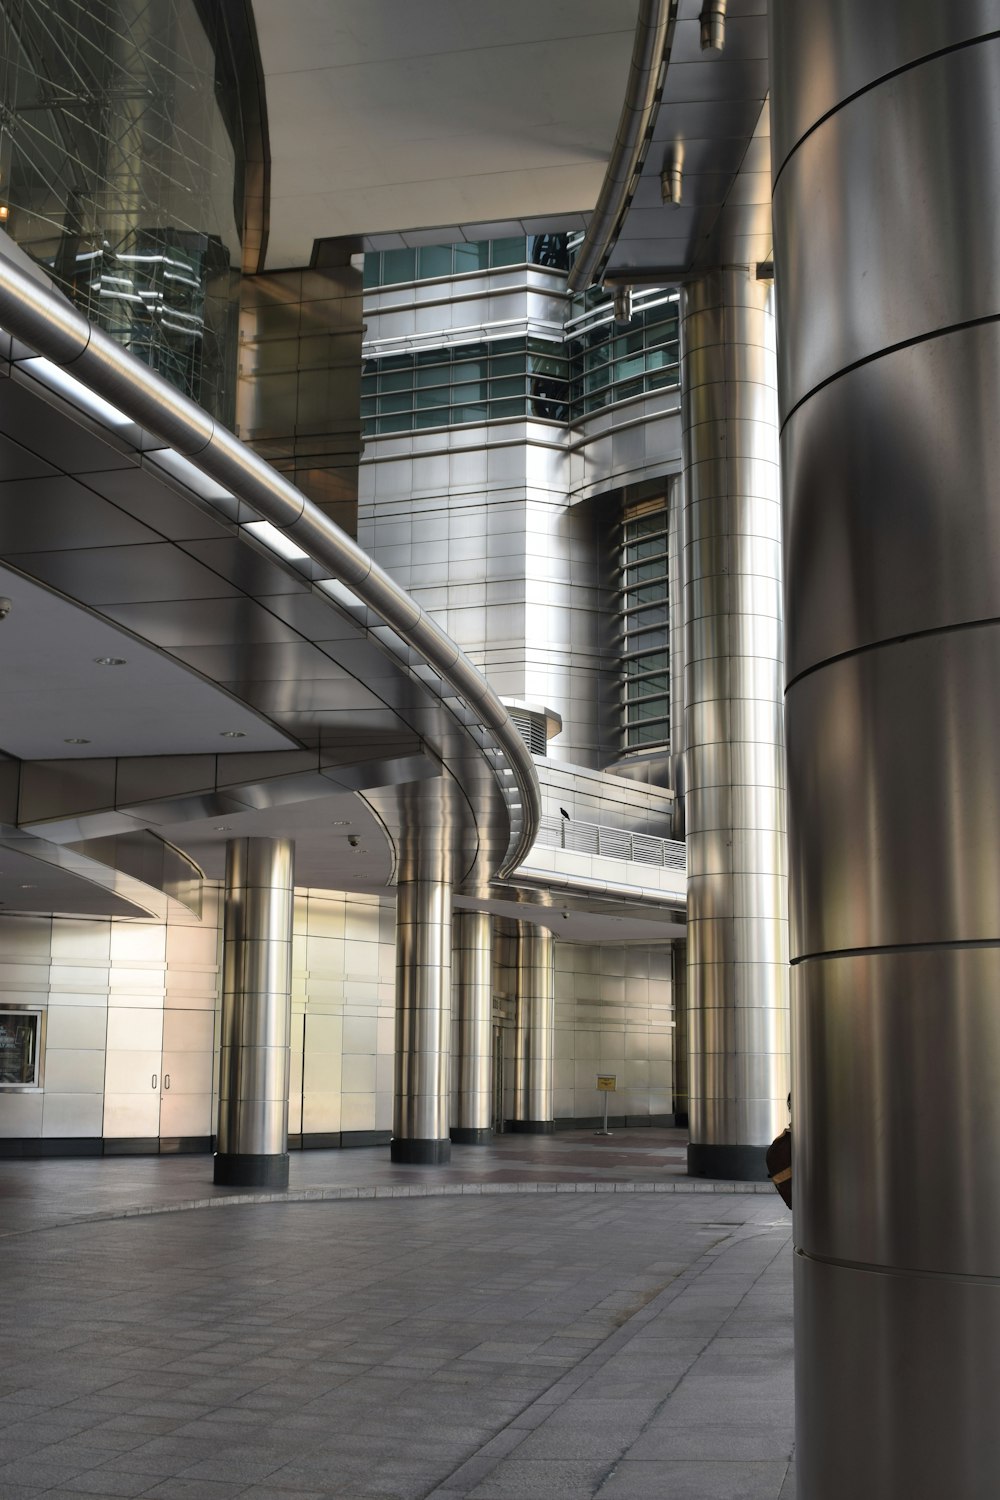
391 1349
693 1480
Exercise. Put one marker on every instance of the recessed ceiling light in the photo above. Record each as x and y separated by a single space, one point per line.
233 734
222 828
110 661
28 886
341 823
76 741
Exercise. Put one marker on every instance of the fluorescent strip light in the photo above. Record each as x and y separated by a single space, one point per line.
81 395
276 540
341 593
182 469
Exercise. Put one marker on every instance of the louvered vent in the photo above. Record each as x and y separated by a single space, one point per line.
531 728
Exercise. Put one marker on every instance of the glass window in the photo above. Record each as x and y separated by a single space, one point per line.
433 374
508 252
656 661
396 380
636 550
512 387
640 571
394 424
474 257
434 260
508 364
647 708
373 269
650 682
439 396
398 265
646 639
647 593
19 1043
401 402
646 734
641 619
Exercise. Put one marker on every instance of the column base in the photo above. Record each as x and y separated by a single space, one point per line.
238 1170
733 1163
463 1135
532 1127
420 1153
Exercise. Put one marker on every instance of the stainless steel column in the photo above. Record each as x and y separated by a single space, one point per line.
737 906
886 123
534 1020
473 991
256 1013
423 1021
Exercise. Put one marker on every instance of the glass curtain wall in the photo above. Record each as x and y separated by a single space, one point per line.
595 363
644 614
122 174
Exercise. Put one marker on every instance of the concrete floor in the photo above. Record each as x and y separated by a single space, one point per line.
568 1333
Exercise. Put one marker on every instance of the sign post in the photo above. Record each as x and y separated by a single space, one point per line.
606 1084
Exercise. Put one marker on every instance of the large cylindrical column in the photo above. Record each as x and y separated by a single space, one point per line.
472 955
534 1028
423 1022
886 137
256 1013
734 750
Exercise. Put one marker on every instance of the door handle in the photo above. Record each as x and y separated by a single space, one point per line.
166 1080
154 1080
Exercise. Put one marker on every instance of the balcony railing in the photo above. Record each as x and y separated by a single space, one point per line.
611 843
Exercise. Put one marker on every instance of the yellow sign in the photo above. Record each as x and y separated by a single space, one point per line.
607 1083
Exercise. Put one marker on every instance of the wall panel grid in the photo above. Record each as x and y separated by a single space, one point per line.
614 1014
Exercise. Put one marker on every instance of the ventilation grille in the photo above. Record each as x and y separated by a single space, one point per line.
531 728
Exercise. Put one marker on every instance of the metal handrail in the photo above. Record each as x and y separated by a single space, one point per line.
611 843
645 80
51 325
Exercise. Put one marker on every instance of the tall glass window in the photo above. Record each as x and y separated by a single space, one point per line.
122 173
644 618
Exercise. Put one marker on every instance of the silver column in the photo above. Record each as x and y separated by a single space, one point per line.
737 905
256 1013
534 1016
886 124
423 1021
473 992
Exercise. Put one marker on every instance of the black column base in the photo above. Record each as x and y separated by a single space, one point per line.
238 1170
532 1127
732 1163
463 1135
420 1153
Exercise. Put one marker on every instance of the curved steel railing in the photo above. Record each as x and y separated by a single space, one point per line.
652 31
49 324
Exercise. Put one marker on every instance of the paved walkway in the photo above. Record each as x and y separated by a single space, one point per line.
47 1192
510 1345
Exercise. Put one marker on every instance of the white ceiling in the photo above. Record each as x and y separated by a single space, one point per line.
401 114
54 690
